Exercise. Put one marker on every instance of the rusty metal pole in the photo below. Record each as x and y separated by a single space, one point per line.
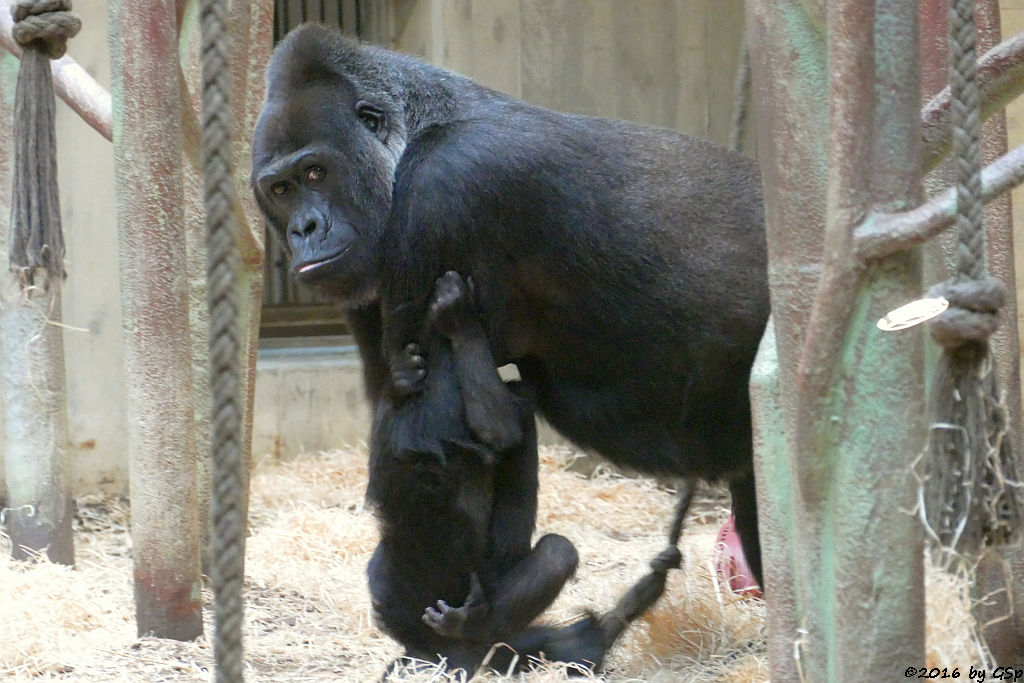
850 399
148 151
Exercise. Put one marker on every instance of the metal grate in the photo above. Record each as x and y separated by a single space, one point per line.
290 309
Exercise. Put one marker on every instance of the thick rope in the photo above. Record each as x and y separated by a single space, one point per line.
222 267
966 118
42 28
971 494
645 592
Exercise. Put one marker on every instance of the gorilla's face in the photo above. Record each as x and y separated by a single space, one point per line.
323 167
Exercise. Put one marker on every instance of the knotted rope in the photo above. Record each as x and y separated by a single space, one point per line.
971 495
42 28
650 587
222 267
45 25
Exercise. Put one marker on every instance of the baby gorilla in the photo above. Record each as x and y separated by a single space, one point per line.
453 480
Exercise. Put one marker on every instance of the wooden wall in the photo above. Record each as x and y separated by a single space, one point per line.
666 62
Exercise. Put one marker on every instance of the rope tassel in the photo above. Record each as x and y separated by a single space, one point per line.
971 494
42 28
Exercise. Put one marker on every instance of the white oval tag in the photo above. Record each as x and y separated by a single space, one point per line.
914 313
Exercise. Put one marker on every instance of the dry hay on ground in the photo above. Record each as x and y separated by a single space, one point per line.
307 608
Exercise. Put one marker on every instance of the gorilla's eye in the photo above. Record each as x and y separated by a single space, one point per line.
371 117
279 188
315 173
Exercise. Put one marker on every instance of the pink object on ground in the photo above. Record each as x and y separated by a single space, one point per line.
732 564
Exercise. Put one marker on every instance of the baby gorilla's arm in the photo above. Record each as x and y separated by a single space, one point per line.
491 412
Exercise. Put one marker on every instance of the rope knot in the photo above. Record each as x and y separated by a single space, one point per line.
669 558
973 313
45 24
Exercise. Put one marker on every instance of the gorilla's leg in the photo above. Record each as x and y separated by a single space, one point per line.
744 510
514 595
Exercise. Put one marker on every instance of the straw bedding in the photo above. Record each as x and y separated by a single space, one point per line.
307 609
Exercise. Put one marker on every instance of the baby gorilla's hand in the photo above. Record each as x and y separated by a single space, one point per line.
456 622
408 371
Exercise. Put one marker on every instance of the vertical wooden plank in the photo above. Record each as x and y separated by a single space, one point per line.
664 62
457 20
417 28
495 46
691 77
332 13
38 507
723 33
552 53
294 9
651 40
599 93
279 20
999 580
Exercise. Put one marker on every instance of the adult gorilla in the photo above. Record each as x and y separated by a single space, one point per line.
621 267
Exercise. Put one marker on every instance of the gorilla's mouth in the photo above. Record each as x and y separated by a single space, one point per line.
311 268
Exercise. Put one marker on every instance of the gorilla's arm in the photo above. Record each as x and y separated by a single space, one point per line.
366 328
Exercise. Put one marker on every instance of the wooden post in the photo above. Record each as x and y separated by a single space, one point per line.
846 594
999 584
8 79
155 303
250 28
35 441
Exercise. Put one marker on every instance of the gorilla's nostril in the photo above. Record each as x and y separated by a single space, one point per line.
309 229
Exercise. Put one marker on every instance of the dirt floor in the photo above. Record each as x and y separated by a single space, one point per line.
307 609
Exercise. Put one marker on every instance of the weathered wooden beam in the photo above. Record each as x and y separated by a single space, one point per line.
155 307
1000 79
887 233
32 379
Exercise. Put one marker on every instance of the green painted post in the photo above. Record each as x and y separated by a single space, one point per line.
850 397
789 95
776 517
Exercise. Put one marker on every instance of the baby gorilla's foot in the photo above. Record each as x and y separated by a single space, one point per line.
408 371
